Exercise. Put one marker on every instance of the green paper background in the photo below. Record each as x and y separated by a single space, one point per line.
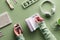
18 15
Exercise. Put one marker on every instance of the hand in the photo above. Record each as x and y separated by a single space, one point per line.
17 30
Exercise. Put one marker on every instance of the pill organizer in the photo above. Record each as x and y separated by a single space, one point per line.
28 3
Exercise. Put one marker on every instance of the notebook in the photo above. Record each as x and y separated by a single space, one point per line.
4 19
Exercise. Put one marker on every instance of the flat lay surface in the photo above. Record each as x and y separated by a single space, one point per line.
19 14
